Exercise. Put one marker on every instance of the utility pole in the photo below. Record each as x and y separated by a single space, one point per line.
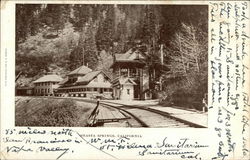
85 28
83 55
162 61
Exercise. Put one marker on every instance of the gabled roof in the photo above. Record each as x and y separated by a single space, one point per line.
64 81
122 81
89 76
127 81
81 70
49 78
130 55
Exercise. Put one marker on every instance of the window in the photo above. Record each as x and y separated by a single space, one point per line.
74 80
95 89
116 72
124 72
128 91
48 90
132 72
106 79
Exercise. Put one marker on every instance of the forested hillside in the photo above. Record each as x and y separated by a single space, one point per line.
59 38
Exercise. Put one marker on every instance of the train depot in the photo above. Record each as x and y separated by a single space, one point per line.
83 82
129 81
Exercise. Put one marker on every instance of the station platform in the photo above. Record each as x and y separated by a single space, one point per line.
109 115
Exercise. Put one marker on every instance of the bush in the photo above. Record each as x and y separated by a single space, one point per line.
185 92
63 113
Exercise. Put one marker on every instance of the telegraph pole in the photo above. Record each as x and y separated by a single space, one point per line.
162 61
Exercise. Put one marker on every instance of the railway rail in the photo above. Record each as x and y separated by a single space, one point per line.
148 117
140 116
127 113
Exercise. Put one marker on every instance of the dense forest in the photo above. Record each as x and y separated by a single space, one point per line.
58 38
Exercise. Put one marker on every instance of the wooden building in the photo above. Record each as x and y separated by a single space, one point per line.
131 79
24 91
46 85
83 82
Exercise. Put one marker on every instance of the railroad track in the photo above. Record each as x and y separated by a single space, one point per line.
127 113
148 117
145 116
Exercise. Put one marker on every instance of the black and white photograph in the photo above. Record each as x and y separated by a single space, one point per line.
111 65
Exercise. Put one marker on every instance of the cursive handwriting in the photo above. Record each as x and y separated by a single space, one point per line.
184 147
29 140
229 69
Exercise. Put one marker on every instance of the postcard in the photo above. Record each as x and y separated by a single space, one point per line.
125 80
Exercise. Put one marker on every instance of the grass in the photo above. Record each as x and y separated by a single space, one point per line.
36 111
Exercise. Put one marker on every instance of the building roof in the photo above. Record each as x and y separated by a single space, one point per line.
91 75
49 78
64 81
88 77
130 55
123 80
81 70
127 81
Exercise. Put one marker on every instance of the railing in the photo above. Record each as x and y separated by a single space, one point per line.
92 117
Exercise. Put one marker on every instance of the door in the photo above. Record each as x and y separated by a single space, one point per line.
136 91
